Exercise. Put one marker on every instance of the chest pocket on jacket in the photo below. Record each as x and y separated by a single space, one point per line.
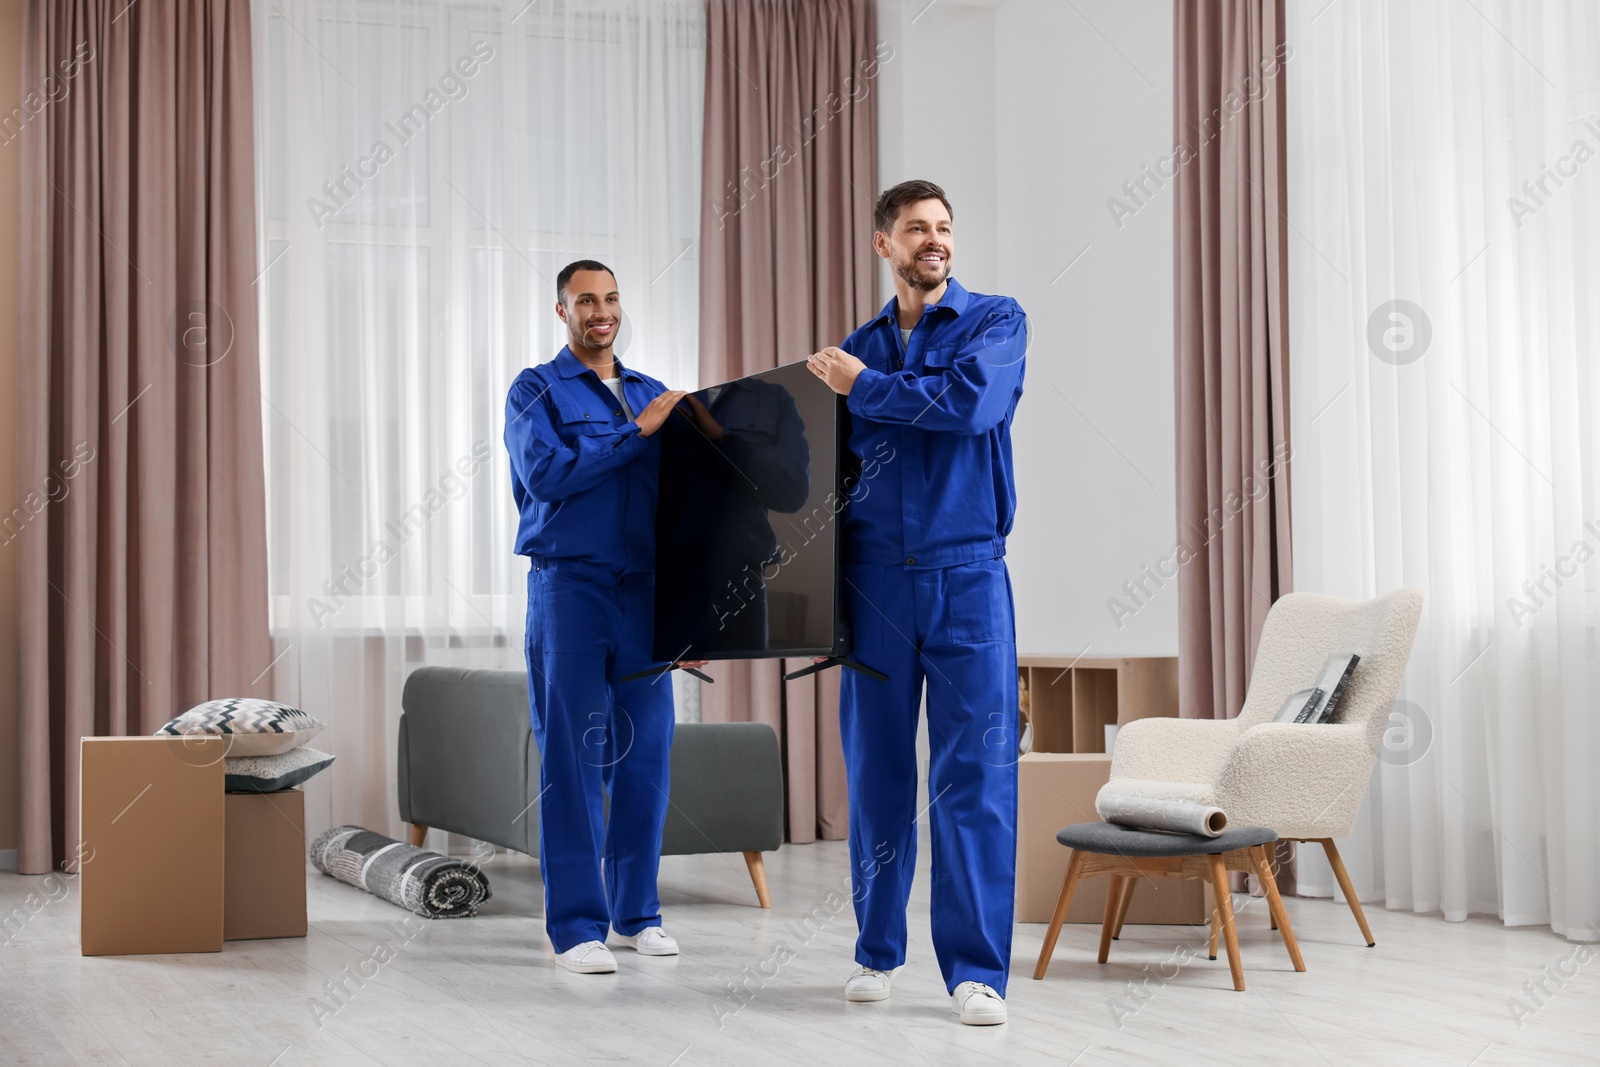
580 415
939 358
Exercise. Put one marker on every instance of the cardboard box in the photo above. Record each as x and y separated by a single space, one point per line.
1056 790
151 872
264 893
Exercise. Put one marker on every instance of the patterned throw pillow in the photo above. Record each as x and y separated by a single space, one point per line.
268 774
254 727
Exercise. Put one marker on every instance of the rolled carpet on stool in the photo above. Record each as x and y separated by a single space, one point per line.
423 882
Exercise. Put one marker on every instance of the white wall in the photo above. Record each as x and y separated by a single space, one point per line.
936 120
1033 114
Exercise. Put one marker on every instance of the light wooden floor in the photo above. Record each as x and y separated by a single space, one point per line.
485 990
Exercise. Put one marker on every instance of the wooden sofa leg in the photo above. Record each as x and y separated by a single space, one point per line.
758 875
418 834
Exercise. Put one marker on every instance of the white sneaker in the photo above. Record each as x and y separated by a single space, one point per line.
977 1005
591 957
869 985
651 941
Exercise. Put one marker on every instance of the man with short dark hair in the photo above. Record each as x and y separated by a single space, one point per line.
932 380
584 467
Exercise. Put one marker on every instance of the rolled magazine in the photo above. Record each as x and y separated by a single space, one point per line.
1174 816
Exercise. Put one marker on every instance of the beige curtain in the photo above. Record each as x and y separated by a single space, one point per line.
142 575
786 268
1231 345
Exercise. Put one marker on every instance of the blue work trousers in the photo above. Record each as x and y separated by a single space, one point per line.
597 737
954 628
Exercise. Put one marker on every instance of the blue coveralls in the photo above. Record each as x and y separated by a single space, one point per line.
928 596
585 482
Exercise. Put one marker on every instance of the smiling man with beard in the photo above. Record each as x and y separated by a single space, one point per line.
936 376
584 474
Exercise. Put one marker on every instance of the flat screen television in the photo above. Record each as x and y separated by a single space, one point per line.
748 522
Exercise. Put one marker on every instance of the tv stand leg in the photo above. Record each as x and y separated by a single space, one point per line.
836 661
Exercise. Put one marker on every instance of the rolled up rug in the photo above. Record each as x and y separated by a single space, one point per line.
1173 816
423 882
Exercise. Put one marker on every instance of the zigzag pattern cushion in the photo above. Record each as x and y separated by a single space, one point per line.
254 727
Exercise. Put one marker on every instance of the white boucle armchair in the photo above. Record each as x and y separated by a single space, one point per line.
1303 781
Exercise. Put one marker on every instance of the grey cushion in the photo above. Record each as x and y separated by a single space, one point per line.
1111 840
467 761
268 774
727 789
468 764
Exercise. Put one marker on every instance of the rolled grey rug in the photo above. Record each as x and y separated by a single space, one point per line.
423 882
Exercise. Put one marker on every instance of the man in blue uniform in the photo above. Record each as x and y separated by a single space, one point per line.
936 377
584 466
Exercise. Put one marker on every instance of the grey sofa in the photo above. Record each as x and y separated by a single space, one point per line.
468 764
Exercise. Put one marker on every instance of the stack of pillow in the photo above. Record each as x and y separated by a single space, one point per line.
266 741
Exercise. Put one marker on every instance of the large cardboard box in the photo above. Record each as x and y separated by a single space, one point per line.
150 852
264 891
1056 790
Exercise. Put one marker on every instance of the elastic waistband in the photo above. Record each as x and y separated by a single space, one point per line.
933 559
590 572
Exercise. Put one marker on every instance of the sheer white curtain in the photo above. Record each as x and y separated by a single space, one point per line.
1443 154
426 168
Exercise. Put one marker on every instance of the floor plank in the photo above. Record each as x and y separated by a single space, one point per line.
764 987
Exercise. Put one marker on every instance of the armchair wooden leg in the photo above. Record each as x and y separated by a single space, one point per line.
1270 885
1216 930
418 834
1109 923
1074 866
1344 884
1128 885
1219 884
758 875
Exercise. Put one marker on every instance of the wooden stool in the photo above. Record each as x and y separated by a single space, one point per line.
1128 855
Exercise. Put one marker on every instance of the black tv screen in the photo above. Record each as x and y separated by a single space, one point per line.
747 526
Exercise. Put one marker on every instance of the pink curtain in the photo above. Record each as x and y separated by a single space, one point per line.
786 268
142 578
1231 345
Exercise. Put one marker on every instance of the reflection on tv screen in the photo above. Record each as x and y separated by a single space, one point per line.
747 524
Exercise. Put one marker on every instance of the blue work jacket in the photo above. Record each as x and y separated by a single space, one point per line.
931 425
584 479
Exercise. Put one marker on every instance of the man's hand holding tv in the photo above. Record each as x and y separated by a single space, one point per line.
656 412
836 367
